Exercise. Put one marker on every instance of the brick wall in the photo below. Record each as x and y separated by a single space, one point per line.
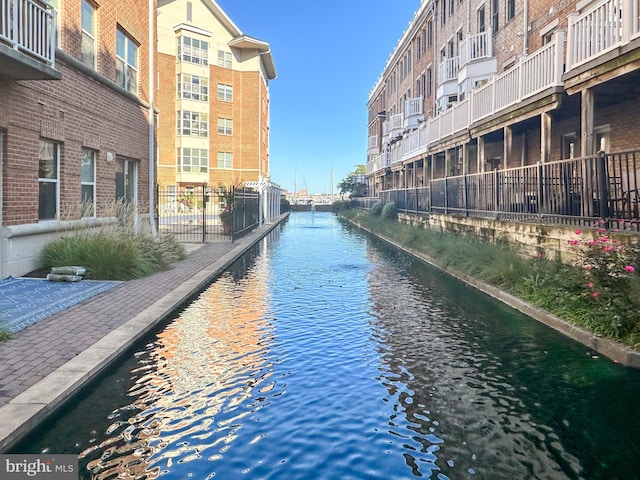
77 111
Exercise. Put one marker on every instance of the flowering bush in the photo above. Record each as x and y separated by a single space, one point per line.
609 268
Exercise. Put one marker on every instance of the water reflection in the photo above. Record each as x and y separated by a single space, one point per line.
324 355
189 383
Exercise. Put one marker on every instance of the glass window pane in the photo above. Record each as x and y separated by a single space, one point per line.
87 164
120 48
87 17
47 201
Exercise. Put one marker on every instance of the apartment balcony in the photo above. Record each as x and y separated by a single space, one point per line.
447 81
393 127
27 40
603 28
476 60
374 146
413 112
378 162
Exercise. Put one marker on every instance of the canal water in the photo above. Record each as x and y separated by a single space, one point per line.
324 354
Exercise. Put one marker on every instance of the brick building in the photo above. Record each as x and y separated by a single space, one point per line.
75 129
214 98
475 85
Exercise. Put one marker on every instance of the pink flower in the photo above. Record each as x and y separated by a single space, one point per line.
574 242
595 294
629 268
602 230
590 284
604 239
588 267
578 232
539 255
608 248
592 243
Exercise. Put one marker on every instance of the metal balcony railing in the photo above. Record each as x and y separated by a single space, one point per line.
28 26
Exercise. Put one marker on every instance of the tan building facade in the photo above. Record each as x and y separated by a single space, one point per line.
213 98
74 119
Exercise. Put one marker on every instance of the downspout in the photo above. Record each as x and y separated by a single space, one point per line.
152 121
525 28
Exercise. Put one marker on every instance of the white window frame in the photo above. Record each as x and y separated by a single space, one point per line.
193 124
225 126
198 160
50 180
126 66
88 37
193 50
225 92
86 212
225 160
130 176
193 87
225 59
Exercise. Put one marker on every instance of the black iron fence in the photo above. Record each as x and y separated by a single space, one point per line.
202 213
581 191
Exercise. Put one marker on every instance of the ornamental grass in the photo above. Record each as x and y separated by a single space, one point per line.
599 291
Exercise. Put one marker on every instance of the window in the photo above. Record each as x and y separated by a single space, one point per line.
418 47
225 126
429 82
224 59
125 179
452 7
430 34
88 182
511 9
495 15
225 93
193 124
481 20
126 62
189 12
194 51
194 160
443 9
88 42
48 175
193 87
225 160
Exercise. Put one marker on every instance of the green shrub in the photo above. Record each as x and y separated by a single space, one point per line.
117 255
4 334
389 210
376 208
600 293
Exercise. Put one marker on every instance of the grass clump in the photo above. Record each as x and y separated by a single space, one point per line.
389 211
376 209
5 334
120 251
600 292
108 256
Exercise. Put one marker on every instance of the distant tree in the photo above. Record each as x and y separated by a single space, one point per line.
351 184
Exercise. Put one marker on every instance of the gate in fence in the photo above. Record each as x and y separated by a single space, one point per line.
202 213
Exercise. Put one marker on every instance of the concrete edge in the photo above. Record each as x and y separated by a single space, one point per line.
608 347
32 406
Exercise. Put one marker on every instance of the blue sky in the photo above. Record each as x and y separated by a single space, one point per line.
328 56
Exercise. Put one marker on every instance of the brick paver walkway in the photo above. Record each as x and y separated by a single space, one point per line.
35 352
